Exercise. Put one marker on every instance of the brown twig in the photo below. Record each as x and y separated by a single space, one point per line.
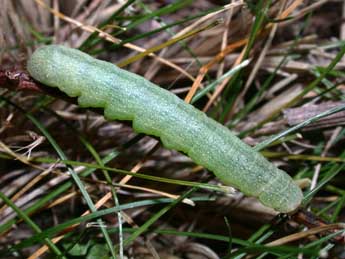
297 115
20 80
311 221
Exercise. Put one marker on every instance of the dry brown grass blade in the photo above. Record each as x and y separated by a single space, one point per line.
220 88
149 190
259 61
21 158
43 249
304 234
230 48
28 186
110 38
204 69
208 17
300 235
166 44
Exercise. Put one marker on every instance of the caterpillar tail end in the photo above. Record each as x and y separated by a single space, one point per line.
284 199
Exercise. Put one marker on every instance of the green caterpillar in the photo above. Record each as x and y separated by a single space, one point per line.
157 112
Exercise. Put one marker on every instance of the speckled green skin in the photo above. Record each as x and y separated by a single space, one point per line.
155 111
